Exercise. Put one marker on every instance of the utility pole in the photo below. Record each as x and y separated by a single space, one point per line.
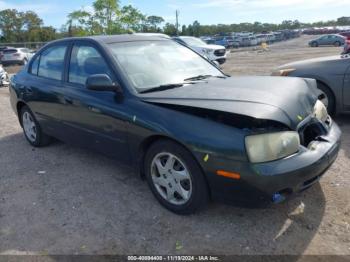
177 22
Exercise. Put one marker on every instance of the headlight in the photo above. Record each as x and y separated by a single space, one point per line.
283 72
206 51
271 146
320 111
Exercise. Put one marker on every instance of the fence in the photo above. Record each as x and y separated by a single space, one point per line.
30 45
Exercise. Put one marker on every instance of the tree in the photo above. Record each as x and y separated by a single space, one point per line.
345 20
11 24
131 18
169 29
107 12
154 21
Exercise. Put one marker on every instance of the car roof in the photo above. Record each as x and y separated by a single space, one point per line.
108 39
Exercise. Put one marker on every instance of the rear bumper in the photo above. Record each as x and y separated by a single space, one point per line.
284 177
11 62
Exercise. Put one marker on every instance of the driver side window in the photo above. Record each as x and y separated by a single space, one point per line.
85 61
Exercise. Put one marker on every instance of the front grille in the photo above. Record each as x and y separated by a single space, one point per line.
220 52
311 131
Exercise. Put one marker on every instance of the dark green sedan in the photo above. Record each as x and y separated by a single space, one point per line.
191 131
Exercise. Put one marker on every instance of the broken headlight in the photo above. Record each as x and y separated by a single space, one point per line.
271 146
320 111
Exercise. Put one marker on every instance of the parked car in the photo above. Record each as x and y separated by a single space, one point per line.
16 56
226 41
332 75
346 34
2 48
346 48
335 40
192 131
212 52
4 78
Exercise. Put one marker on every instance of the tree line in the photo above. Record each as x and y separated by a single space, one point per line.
109 17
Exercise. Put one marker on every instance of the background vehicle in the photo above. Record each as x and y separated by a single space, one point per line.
212 52
346 48
2 48
332 75
226 41
335 40
16 56
346 34
4 78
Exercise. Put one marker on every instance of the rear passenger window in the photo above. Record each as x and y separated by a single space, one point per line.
52 62
35 65
86 61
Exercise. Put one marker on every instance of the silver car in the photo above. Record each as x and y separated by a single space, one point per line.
16 56
332 75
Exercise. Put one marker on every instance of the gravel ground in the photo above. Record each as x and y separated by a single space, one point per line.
65 200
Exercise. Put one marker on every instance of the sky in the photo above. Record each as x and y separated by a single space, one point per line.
54 12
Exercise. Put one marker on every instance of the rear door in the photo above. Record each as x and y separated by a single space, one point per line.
94 119
43 85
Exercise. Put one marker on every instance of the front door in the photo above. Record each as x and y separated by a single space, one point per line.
93 118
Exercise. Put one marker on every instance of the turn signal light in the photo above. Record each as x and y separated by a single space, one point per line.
228 174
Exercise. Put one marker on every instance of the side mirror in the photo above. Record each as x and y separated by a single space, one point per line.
216 63
102 82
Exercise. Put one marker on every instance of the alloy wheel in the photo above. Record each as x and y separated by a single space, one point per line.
171 178
29 126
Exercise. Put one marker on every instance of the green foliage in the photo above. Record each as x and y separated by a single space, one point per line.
109 17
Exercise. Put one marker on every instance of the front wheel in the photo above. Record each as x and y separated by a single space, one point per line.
314 44
337 43
32 129
175 178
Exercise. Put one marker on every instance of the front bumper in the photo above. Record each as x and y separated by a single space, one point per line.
287 176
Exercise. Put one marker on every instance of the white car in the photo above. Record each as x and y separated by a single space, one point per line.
16 56
212 52
4 78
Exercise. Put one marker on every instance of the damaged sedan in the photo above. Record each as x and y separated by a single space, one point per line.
191 131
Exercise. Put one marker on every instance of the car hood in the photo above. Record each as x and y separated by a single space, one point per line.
212 47
314 61
286 100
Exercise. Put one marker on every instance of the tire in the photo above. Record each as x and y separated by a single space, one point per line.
337 43
327 95
24 62
32 130
314 44
184 193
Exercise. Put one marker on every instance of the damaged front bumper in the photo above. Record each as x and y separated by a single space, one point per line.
275 181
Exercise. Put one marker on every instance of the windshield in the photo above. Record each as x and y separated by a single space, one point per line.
154 63
193 41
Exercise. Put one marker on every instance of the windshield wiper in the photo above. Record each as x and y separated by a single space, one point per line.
162 88
201 77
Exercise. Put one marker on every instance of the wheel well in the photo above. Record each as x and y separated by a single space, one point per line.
331 91
19 106
144 147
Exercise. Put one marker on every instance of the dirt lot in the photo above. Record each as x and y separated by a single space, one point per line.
65 200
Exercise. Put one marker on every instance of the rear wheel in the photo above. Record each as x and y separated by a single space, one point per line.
32 130
175 178
326 97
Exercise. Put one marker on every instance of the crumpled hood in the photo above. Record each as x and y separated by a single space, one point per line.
282 99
